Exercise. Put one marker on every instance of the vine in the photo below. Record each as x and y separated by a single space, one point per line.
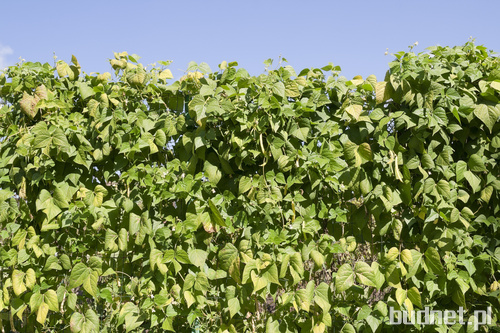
282 202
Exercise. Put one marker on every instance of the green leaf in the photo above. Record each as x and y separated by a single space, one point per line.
136 77
134 223
197 257
212 172
95 263
258 282
182 256
354 110
156 258
50 298
486 193
160 138
272 325
233 306
81 274
301 133
495 85
245 185
378 277
201 282
92 321
364 312
90 283
85 90
91 324
59 139
167 324
85 324
63 69
365 151
461 168
229 259
344 278
433 261
216 215
162 299
322 296
270 273
364 273
19 238
30 278
297 267
46 203
128 314
427 161
318 258
443 188
348 328
35 301
279 89
488 114
351 154
373 322
72 298
122 239
60 198
304 297
459 298
414 296
473 180
76 322
393 275
100 193
476 163
110 240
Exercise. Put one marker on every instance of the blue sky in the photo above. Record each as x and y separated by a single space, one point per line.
351 34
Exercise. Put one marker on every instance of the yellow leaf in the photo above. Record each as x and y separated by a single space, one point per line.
403 269
495 85
392 254
41 314
406 257
354 110
409 306
381 92
18 282
30 278
166 74
400 295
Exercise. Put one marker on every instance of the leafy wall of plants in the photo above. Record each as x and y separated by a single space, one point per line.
224 202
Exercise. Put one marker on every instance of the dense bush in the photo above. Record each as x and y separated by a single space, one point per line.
227 202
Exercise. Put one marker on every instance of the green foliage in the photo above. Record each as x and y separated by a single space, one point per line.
290 202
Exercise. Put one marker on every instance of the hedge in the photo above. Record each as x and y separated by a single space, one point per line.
225 202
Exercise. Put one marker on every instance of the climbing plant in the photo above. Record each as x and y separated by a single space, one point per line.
225 202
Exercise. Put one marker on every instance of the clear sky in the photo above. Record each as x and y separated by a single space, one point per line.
351 34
